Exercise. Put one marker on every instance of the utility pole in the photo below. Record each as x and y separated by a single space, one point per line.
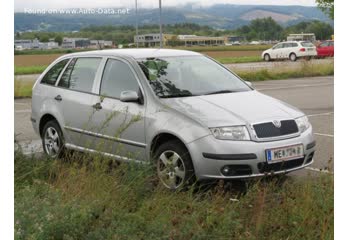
137 26
160 25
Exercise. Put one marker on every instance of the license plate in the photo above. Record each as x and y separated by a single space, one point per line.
284 153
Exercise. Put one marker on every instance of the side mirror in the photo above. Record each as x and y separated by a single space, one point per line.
249 83
129 96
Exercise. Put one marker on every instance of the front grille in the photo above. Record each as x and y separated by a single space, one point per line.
280 166
268 129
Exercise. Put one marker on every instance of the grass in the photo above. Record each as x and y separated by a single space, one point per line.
197 49
23 70
48 51
23 88
226 48
90 197
248 59
307 69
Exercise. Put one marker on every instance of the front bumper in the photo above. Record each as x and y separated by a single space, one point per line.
246 158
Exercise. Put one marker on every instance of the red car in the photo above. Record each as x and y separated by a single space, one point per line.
325 49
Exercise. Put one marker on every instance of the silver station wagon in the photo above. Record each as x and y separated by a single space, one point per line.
179 110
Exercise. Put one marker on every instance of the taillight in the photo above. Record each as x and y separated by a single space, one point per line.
302 50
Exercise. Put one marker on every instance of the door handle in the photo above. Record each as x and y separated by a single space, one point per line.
97 106
58 98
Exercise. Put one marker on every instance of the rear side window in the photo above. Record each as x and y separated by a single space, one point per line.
80 74
287 45
117 77
52 75
307 44
294 45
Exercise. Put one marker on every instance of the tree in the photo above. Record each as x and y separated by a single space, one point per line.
327 6
262 29
59 39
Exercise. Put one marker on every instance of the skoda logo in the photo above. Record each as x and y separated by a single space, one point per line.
277 123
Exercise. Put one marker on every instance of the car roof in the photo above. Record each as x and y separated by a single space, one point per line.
137 53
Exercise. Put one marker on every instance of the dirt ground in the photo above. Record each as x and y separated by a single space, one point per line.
41 60
35 60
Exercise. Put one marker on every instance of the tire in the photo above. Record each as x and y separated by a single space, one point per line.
52 140
292 57
267 57
174 165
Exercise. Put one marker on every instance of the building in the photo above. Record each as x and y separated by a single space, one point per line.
302 37
23 44
27 44
194 40
152 39
75 42
34 44
235 39
100 44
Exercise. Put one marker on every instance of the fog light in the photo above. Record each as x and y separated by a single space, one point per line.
225 170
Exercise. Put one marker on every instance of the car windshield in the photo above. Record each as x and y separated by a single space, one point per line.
307 44
189 76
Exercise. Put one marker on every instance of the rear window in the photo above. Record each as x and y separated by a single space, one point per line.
52 75
307 44
80 74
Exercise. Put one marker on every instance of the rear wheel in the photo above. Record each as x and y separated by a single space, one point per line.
52 139
293 57
174 165
267 57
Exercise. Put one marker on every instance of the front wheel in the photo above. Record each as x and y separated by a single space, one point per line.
267 57
293 57
174 165
52 140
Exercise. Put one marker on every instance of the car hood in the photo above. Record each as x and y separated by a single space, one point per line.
229 109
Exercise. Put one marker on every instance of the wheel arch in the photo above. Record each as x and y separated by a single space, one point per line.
163 137
44 119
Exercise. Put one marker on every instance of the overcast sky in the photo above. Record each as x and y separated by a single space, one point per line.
35 4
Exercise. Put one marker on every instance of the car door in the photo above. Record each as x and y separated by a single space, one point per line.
286 50
323 49
119 127
75 95
276 51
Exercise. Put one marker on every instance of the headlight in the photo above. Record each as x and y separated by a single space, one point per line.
303 123
237 133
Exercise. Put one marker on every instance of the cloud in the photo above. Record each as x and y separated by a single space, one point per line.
20 5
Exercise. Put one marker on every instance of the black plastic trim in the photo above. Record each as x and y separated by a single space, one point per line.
311 145
244 156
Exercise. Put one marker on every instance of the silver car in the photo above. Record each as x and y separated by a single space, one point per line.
180 110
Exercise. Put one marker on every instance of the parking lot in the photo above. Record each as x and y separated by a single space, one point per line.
314 96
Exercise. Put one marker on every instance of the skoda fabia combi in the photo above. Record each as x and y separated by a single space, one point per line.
179 110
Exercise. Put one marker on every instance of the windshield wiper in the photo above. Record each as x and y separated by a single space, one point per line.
220 91
177 95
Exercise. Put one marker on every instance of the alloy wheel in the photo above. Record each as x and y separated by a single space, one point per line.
171 169
52 142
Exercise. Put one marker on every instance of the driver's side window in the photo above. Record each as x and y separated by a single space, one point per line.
117 77
278 46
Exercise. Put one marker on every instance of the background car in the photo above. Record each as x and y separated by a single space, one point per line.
290 50
325 49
